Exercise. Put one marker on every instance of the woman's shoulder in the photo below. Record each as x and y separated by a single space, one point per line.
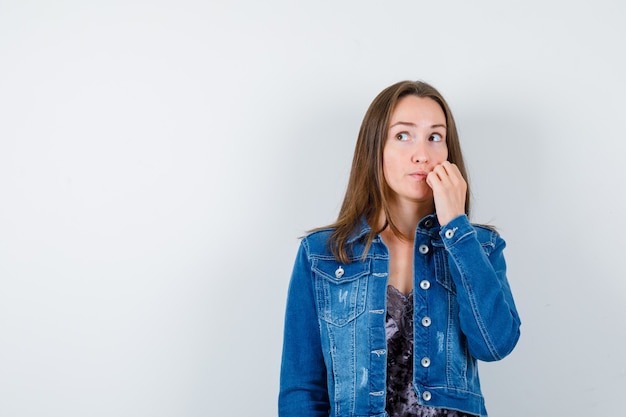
488 235
319 233
322 240
485 228
322 235
317 240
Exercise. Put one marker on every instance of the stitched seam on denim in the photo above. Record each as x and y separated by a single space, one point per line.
333 358
444 388
455 241
353 347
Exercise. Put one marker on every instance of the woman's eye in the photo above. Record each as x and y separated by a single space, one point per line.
402 136
436 137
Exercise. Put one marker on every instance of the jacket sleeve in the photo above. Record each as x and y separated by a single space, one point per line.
487 312
303 386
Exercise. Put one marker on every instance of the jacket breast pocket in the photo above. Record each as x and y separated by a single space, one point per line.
341 290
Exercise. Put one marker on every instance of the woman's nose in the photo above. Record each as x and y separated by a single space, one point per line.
420 152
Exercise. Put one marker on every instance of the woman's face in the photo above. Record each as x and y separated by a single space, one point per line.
415 144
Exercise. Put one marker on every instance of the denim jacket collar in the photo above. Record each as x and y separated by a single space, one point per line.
428 225
361 230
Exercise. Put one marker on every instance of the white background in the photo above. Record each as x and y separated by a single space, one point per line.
159 159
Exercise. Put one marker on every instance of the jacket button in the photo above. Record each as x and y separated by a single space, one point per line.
428 223
424 249
339 272
424 285
426 396
449 233
426 321
425 362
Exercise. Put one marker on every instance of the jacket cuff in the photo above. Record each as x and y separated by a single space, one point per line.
455 230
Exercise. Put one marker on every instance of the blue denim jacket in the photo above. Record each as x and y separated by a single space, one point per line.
335 350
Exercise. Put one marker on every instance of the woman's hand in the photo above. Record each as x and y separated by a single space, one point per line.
449 190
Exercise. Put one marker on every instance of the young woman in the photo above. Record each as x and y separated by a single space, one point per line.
390 307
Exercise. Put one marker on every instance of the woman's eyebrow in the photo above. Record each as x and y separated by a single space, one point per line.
415 125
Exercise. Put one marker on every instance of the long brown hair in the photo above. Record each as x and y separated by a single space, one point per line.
367 191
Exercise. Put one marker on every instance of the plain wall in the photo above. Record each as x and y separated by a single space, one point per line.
158 161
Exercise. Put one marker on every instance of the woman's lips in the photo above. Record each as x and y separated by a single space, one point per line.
419 175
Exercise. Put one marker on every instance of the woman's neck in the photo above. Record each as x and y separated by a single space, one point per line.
407 216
